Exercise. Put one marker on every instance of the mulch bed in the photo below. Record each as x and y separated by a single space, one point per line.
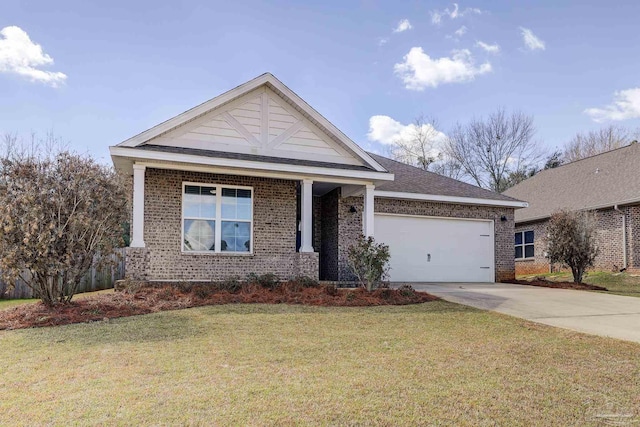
150 299
559 285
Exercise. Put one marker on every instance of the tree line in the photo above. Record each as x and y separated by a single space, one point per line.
498 151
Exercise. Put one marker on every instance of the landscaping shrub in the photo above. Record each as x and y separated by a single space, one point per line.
307 282
571 240
406 291
369 261
184 286
203 291
230 284
267 280
60 211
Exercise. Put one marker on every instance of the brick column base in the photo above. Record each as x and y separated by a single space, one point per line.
137 264
307 264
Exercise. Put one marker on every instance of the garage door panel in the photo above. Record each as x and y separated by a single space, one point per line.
425 249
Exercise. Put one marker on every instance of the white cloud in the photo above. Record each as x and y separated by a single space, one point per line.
387 131
531 40
383 40
454 13
625 105
403 25
491 48
436 17
419 71
460 31
19 55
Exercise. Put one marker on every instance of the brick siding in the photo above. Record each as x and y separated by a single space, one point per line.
274 231
609 240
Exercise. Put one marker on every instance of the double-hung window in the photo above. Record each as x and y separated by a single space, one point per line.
524 244
217 218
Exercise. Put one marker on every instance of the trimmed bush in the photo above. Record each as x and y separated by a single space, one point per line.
369 261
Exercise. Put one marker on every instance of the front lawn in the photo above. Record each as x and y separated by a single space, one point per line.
433 363
617 283
10 303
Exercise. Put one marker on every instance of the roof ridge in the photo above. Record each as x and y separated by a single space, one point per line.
552 170
634 142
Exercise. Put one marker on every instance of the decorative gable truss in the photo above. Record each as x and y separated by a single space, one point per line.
262 123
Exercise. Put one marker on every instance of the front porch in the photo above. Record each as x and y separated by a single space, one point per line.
298 227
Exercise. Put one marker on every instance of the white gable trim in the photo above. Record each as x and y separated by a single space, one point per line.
449 199
280 89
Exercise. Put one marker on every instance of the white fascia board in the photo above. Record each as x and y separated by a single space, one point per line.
237 92
137 155
449 199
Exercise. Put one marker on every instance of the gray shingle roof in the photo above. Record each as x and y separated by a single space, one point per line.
251 157
595 182
409 179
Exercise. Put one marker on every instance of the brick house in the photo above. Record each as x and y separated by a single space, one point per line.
256 181
607 184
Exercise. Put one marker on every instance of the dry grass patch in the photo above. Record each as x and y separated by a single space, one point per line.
435 363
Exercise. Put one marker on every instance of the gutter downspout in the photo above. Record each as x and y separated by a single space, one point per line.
624 235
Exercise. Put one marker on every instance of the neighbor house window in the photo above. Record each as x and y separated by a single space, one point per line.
524 244
217 218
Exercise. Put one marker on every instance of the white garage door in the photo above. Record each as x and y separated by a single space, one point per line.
434 249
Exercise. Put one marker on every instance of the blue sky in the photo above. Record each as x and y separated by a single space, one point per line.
105 71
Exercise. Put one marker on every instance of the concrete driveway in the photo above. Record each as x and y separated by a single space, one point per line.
590 312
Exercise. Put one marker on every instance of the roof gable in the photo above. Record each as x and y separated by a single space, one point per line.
261 117
595 182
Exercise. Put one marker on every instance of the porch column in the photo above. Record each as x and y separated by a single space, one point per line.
306 237
137 240
367 224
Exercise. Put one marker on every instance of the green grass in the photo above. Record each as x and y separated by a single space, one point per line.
9 303
617 283
436 363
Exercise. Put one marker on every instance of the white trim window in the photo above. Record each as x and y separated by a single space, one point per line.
217 218
524 244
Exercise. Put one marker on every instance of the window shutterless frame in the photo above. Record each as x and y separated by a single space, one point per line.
218 218
524 244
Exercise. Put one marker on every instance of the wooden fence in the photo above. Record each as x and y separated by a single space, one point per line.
94 280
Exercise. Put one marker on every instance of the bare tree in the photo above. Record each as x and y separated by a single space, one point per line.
58 211
571 240
448 167
488 150
14 147
421 146
598 141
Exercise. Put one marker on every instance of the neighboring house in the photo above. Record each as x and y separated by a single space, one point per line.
607 184
257 181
